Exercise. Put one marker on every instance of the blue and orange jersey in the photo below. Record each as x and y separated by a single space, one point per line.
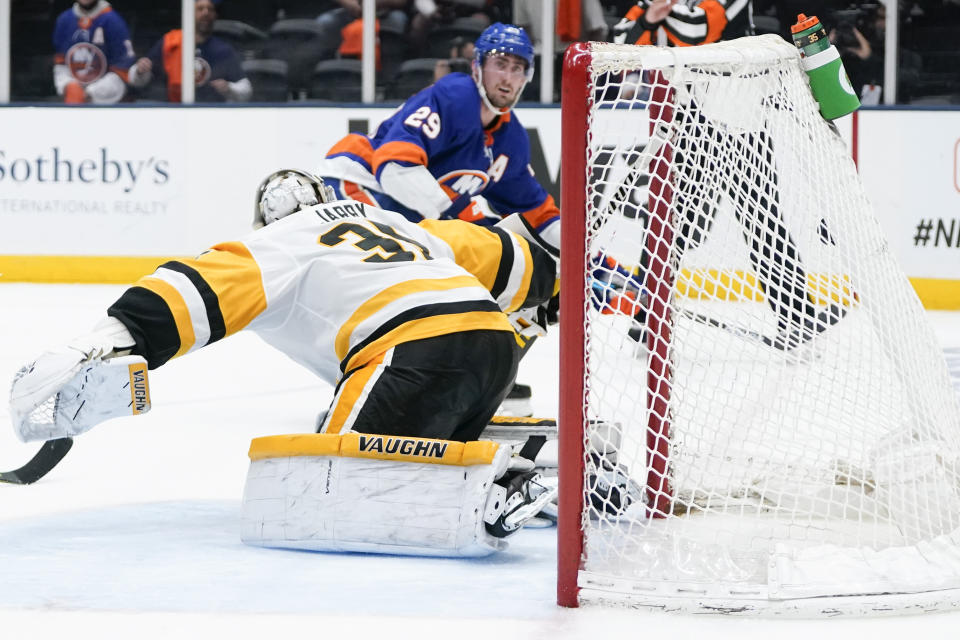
214 59
440 128
92 44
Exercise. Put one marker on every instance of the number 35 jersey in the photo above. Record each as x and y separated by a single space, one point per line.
337 284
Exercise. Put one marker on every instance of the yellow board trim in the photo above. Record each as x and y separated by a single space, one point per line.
78 269
934 293
937 294
737 286
373 446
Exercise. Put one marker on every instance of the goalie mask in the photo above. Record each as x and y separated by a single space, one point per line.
287 191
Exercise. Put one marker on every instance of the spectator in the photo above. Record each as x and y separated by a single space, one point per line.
429 14
592 24
219 76
93 53
343 33
864 68
461 53
864 60
392 12
685 23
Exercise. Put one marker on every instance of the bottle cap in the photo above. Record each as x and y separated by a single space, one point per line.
803 22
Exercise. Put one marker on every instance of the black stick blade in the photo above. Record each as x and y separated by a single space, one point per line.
50 454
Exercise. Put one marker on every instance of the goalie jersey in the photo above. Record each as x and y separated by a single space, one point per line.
335 285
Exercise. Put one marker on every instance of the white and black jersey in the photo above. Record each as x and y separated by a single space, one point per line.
694 22
337 284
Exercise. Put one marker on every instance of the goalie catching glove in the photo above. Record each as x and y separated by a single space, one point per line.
615 289
69 390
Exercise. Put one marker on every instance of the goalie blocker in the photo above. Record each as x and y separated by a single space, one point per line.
386 494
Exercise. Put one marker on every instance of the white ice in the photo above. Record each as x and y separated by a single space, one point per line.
136 533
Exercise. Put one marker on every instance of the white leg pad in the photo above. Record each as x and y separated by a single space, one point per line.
328 492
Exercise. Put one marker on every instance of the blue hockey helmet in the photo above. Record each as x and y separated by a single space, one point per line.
496 39
505 38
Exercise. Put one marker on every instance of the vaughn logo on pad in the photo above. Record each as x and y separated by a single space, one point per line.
139 388
415 447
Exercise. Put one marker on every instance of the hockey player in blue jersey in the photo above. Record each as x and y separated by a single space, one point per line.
451 142
93 53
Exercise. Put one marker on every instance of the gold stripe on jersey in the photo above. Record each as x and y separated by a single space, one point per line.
178 308
491 255
523 288
376 303
353 391
428 327
234 276
473 247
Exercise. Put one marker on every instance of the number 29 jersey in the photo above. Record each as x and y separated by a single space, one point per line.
337 284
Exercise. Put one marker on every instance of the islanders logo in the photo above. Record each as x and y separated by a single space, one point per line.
201 70
86 62
464 181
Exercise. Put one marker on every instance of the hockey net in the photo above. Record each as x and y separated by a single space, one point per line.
763 371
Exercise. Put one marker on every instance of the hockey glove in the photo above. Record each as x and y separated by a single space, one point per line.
69 390
466 208
614 289
529 322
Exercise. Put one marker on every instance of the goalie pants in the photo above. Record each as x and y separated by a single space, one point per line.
445 387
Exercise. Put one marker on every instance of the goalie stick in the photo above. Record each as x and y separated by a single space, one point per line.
50 454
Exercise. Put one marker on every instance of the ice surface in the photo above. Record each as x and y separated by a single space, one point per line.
136 534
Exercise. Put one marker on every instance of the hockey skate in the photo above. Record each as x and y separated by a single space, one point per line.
515 500
609 486
518 402
68 391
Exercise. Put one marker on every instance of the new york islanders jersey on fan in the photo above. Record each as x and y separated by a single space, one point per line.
440 128
90 44
335 285
215 59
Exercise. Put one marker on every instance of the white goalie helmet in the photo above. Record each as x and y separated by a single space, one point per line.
287 191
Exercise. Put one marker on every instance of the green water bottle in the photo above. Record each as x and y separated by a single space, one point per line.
829 82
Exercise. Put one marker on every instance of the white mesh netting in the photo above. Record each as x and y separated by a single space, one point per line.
776 393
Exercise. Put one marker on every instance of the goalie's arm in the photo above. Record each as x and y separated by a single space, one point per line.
188 304
518 274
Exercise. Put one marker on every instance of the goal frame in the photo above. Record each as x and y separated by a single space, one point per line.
577 103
